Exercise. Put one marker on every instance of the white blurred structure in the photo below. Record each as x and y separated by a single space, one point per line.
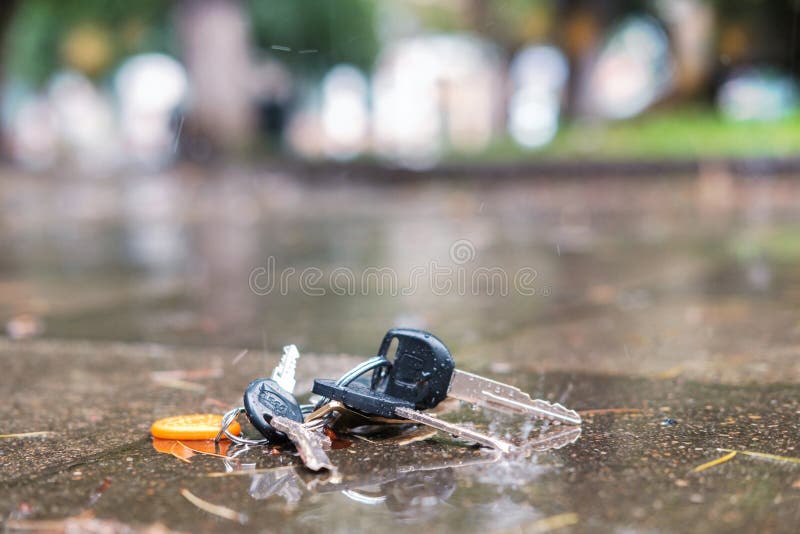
84 118
755 95
436 91
538 77
345 112
32 133
633 71
71 121
75 121
149 88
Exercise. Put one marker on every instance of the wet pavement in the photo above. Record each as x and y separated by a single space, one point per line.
665 309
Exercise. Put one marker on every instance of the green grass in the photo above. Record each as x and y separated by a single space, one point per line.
675 134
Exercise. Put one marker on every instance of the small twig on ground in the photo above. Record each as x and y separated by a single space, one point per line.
766 456
602 411
239 356
215 509
712 463
40 434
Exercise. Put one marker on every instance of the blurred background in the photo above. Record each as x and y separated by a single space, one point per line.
99 85
158 153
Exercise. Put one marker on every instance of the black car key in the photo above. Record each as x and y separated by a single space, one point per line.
268 397
423 372
265 399
363 399
421 369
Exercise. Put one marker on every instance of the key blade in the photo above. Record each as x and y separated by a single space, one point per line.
284 372
493 394
308 444
456 430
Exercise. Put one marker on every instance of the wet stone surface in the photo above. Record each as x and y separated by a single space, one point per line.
626 469
674 338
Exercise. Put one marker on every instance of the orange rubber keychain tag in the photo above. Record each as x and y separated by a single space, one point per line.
191 427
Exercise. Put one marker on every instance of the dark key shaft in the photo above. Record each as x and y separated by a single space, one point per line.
361 398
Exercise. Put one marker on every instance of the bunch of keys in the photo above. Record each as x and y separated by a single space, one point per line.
421 376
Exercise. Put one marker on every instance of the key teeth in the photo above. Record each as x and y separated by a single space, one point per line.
285 370
565 410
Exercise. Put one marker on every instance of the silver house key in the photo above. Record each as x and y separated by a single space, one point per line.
424 373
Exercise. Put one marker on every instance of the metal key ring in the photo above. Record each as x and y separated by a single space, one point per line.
227 419
376 362
346 379
361 369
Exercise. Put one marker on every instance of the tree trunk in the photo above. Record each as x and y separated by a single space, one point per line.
215 39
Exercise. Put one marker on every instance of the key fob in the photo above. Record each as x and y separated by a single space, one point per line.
263 399
360 398
422 367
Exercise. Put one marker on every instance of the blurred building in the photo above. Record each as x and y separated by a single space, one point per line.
408 82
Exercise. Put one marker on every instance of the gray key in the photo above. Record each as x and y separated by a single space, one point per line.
310 444
492 394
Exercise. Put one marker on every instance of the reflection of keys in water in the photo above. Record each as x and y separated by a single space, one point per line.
555 438
281 481
310 444
392 484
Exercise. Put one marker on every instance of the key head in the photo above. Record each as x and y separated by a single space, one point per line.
264 399
361 398
422 367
